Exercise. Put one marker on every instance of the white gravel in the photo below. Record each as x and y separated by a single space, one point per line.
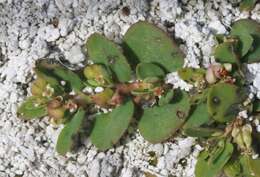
33 29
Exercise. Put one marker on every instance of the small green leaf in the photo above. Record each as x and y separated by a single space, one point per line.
227 52
166 98
245 44
55 73
99 75
191 75
109 128
256 106
248 27
205 168
219 38
202 132
46 75
247 171
247 5
254 165
103 51
160 122
144 42
233 168
198 117
66 137
72 78
147 70
223 101
33 107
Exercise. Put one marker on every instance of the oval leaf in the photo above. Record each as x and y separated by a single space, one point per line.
226 52
70 77
146 70
147 43
191 75
233 168
66 137
207 168
247 5
103 51
223 101
161 122
108 128
248 27
198 117
33 107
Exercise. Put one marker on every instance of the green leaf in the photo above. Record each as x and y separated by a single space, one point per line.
223 101
247 5
46 75
233 168
245 44
254 165
166 98
247 167
256 106
33 107
103 51
206 168
248 27
109 128
99 75
147 70
54 73
66 137
226 52
147 43
202 132
191 75
198 117
160 122
72 78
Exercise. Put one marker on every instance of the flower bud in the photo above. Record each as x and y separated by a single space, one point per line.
210 76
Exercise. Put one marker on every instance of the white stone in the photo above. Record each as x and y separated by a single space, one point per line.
99 89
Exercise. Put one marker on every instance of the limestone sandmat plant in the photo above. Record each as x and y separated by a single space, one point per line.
126 84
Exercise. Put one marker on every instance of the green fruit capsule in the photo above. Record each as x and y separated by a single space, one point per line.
98 74
56 109
103 98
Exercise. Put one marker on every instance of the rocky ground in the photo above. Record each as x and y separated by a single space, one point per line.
34 29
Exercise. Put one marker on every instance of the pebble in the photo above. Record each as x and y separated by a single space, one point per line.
99 89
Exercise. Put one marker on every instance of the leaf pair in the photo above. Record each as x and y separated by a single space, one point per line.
142 43
243 44
242 166
211 163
